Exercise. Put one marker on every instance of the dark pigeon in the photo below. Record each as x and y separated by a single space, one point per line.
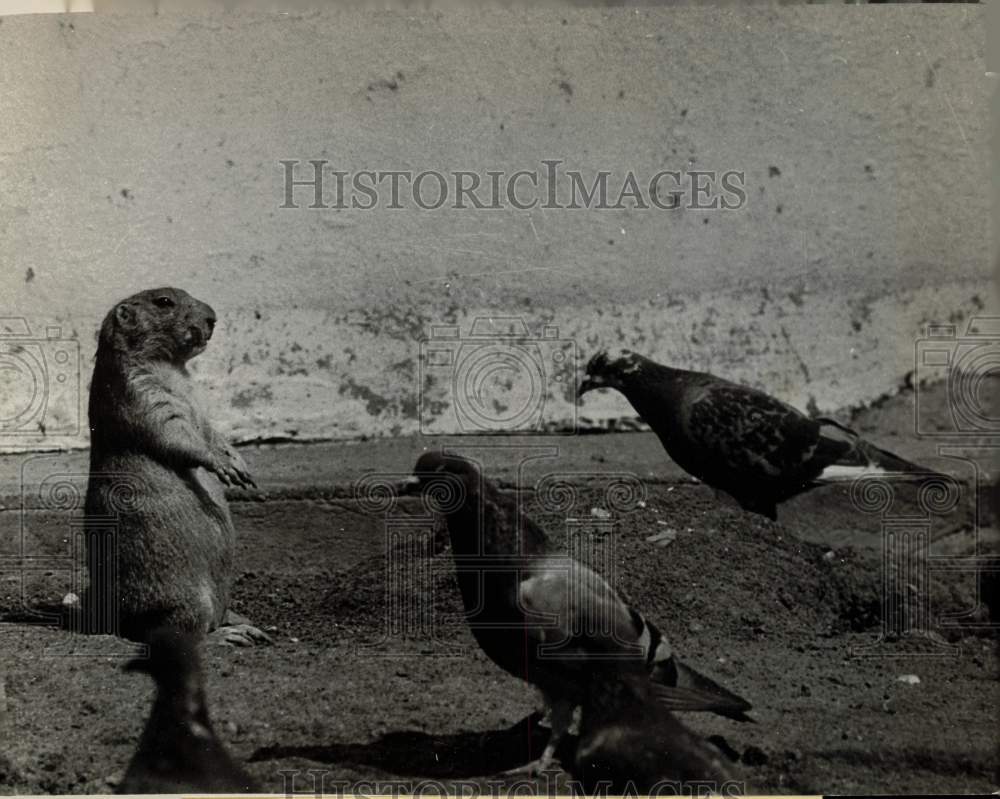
179 751
736 439
629 745
547 618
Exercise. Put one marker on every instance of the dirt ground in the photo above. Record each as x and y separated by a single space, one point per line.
374 678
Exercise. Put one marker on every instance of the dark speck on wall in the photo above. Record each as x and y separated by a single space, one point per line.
126 193
392 84
773 171
684 112
705 221
611 241
29 275
230 162
565 86
777 210
245 398
931 74
621 94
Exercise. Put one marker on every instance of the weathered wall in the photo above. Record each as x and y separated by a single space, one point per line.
142 150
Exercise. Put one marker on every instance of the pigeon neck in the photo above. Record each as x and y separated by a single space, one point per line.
492 524
653 386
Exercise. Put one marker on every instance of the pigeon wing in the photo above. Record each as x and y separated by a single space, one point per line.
749 432
579 621
572 612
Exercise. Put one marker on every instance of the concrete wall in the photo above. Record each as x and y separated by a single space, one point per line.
141 150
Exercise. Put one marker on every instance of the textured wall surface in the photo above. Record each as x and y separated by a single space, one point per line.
141 150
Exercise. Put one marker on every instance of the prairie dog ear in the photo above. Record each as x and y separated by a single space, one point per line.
124 315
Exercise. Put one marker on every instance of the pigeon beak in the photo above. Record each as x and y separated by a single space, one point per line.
411 485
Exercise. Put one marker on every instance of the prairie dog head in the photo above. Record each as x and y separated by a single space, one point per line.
164 324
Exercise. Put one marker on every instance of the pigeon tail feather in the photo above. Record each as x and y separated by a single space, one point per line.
692 690
867 459
676 698
864 458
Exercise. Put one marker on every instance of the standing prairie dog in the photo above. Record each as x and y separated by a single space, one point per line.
160 540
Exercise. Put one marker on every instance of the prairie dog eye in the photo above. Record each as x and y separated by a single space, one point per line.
164 302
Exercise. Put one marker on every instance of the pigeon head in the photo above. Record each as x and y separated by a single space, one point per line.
444 480
610 369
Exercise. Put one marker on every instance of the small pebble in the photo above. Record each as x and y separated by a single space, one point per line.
663 538
908 679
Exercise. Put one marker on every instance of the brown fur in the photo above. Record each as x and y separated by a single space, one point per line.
155 469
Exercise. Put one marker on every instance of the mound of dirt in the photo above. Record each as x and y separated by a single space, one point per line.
773 584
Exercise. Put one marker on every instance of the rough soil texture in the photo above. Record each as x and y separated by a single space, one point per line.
374 677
